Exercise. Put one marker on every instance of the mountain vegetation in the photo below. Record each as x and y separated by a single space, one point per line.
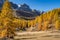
11 22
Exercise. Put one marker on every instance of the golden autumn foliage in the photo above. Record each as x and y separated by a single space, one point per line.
49 20
6 21
9 23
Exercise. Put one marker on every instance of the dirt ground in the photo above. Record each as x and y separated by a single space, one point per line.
40 35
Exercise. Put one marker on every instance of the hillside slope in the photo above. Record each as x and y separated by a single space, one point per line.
50 19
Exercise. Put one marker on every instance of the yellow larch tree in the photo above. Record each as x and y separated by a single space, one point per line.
6 21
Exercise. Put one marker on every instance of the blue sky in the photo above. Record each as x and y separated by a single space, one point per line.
42 5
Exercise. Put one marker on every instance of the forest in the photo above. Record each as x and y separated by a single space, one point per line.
9 23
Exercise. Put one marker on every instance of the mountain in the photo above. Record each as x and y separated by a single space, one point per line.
25 7
25 15
14 6
36 12
44 21
1 3
26 12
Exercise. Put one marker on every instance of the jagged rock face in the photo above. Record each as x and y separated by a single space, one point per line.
23 11
25 7
14 6
26 12
36 12
1 3
25 15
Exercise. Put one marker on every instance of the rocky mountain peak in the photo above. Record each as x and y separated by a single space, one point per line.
1 4
25 7
1 1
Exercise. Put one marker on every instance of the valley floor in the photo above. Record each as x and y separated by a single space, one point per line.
40 35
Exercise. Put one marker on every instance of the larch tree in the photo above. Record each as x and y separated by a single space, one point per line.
6 21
